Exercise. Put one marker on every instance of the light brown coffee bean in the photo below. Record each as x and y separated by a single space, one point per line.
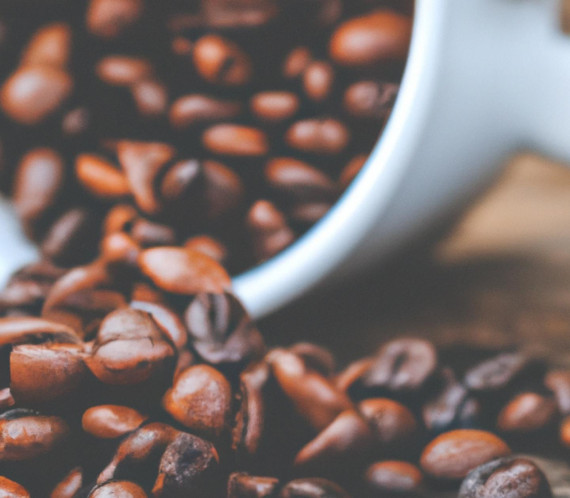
318 136
318 79
100 177
393 423
111 421
70 485
235 140
151 97
274 106
111 18
526 412
314 487
454 454
196 109
392 476
209 246
123 70
11 489
376 37
268 228
297 62
50 46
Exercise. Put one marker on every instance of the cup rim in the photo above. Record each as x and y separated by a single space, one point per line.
323 248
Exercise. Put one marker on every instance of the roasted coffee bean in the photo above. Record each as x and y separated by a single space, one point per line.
25 434
370 99
167 319
297 62
150 97
150 234
129 348
318 79
565 432
50 46
100 177
34 92
347 439
76 122
183 180
318 136
400 478
454 454
376 37
312 488
274 106
196 109
122 70
307 214
6 399
223 191
238 14
189 466
558 382
221 61
402 365
221 331
11 489
200 399
25 330
235 140
45 372
269 231
314 397
316 357
111 421
393 424
526 412
122 489
182 271
351 170
70 485
111 18
209 246
506 478
242 485
352 374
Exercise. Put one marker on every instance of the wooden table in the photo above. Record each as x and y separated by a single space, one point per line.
501 277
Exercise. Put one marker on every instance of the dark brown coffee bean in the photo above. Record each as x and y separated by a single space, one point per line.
70 485
129 348
35 330
38 183
142 162
24 434
498 372
452 407
242 485
318 136
76 122
149 234
318 79
200 399
209 246
50 46
11 489
394 425
45 372
312 488
182 46
122 70
182 271
565 432
238 14
526 412
111 421
506 478
167 319
313 396
345 441
150 97
268 229
184 179
221 61
402 365
370 99
315 357
100 177
249 425
297 62
393 476
274 106
558 382
454 454
188 467
235 140
196 109
376 37
352 169
223 191
34 92
118 489
111 18
221 331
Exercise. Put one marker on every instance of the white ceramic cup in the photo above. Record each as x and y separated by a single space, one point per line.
483 78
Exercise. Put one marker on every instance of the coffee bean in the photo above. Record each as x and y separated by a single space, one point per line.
24 434
393 424
221 331
200 399
315 357
111 18
111 421
307 214
50 46
383 478
167 319
209 246
506 478
196 109
312 488
565 432
235 140
100 177
182 271
454 454
122 489
149 234
34 330
70 485
274 106
221 61
11 489
318 136
318 79
34 92
6 399
76 122
297 62
370 99
150 97
242 485
526 412
269 231
238 14
402 365
558 382
352 169
122 70
352 374
223 191
376 37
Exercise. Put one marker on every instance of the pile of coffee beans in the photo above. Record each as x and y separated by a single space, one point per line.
228 126
148 378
